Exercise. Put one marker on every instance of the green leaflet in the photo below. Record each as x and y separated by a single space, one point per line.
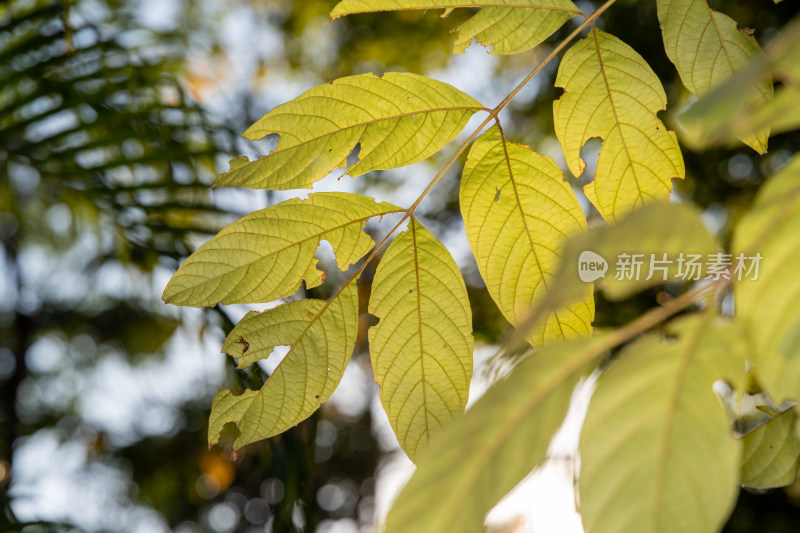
770 305
322 336
612 93
266 254
421 349
518 212
513 29
648 233
707 48
771 453
396 119
726 113
481 456
657 452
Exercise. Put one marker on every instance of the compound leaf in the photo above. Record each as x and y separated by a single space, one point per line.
518 211
321 336
481 456
707 48
421 349
612 93
657 451
771 453
266 254
511 26
396 119
768 300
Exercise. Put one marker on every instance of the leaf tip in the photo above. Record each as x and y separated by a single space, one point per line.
168 295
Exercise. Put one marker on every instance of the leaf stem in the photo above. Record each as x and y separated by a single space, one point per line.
630 330
493 114
659 314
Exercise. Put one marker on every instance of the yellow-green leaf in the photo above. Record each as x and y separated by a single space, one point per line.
511 26
707 48
770 304
265 255
396 119
518 212
657 451
481 456
612 93
771 453
725 113
421 349
321 336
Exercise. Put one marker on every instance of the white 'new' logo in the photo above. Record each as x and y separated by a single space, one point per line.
591 266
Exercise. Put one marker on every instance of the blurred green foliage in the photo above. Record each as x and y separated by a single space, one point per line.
105 160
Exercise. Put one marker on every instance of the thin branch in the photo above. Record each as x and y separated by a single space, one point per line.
493 114
491 117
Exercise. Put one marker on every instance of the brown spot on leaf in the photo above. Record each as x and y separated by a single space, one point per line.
245 344
748 31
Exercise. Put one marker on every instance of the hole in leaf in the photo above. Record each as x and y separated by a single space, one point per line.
352 159
274 359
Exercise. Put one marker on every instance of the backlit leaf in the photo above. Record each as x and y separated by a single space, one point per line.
771 453
321 336
520 26
266 254
657 451
769 305
395 119
518 212
707 48
422 347
612 93
725 113
481 456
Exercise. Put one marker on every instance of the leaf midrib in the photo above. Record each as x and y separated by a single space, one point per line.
719 36
300 337
576 12
617 121
419 330
398 117
525 221
689 353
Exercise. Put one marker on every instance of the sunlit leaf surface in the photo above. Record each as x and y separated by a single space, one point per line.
395 120
422 347
518 211
613 94
265 255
